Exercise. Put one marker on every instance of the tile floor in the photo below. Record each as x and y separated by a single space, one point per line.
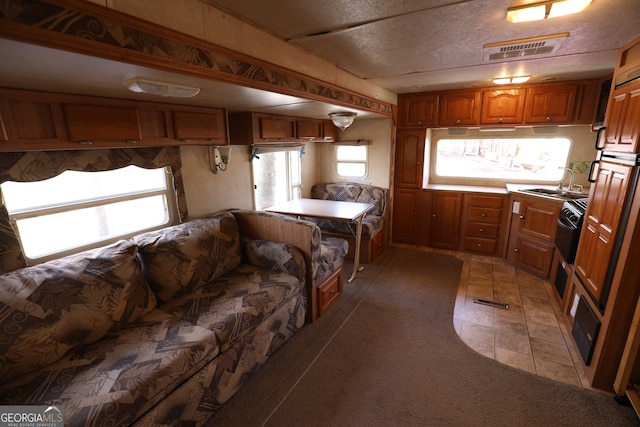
531 335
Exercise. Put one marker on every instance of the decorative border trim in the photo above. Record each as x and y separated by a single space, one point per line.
94 30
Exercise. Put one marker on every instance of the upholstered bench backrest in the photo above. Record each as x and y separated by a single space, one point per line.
352 192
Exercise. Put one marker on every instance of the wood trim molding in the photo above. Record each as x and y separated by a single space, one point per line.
87 28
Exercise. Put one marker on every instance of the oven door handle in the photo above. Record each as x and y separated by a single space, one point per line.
566 224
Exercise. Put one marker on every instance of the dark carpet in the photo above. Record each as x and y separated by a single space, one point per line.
387 354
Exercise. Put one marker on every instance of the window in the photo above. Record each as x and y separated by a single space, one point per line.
277 177
351 161
505 159
79 210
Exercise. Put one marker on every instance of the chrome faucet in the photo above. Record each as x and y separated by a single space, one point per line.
571 185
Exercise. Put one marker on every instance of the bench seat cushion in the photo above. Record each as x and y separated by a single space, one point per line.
117 379
51 308
233 305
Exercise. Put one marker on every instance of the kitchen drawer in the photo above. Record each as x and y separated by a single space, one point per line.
484 214
485 201
330 291
479 229
476 244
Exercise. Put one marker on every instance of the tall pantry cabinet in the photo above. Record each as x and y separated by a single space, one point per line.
605 285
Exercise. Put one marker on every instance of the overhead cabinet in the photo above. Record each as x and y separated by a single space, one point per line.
459 108
622 129
209 126
418 110
567 103
550 104
502 106
87 123
254 128
50 121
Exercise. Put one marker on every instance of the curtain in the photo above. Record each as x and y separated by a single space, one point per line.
39 165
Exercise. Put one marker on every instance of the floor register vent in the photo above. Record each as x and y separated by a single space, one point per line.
491 303
514 49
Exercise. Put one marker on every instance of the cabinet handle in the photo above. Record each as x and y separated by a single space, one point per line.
598 146
333 291
130 141
500 120
458 121
593 174
84 142
481 230
434 216
549 119
483 215
516 250
184 140
479 245
521 216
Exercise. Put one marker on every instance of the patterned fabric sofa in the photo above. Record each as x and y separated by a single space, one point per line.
161 329
324 255
373 237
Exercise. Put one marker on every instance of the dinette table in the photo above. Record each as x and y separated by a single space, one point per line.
332 210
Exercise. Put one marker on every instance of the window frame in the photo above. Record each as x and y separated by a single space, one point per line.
172 216
294 151
364 162
430 155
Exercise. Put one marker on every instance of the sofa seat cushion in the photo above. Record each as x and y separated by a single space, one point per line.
182 258
332 253
371 225
236 303
117 379
51 308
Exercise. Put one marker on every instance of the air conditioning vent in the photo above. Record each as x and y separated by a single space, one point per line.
515 49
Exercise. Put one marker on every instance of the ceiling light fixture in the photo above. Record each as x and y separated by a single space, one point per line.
343 119
545 9
511 80
154 87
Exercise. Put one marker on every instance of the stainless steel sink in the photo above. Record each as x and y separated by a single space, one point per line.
556 193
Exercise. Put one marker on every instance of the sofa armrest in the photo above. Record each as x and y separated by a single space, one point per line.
303 235
276 256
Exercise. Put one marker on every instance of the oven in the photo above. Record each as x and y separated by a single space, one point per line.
567 236
569 227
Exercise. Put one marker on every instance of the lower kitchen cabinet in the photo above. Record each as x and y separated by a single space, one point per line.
405 215
532 233
445 218
484 218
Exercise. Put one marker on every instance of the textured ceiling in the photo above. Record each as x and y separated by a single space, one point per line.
413 45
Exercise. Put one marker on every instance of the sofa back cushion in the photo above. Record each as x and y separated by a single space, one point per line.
51 308
185 257
352 192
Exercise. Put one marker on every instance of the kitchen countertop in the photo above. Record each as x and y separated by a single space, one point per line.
507 189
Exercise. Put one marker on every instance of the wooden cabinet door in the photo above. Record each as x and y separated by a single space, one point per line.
623 121
550 104
446 212
601 223
26 122
405 215
329 131
460 108
418 110
410 146
538 220
308 129
205 126
502 106
275 128
87 123
534 255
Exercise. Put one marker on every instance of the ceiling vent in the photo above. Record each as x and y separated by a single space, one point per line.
516 49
